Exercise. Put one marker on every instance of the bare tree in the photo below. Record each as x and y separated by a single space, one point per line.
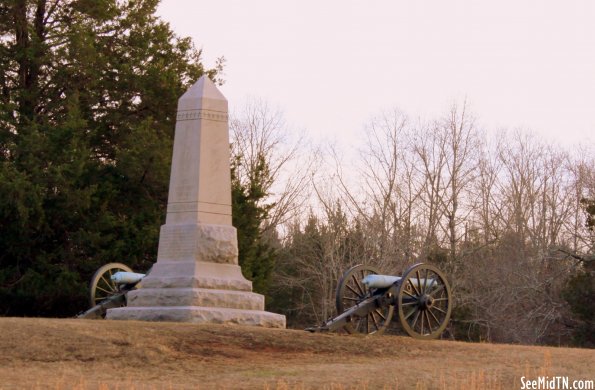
429 147
385 197
259 132
316 254
485 194
536 189
461 144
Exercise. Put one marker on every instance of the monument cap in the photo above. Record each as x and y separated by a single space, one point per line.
203 95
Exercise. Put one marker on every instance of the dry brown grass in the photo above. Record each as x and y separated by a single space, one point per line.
102 355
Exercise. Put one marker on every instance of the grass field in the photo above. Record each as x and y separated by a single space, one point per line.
84 354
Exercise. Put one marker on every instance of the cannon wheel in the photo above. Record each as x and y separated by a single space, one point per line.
350 292
101 286
424 308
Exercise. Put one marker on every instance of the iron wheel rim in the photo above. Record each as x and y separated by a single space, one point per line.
350 291
424 302
101 286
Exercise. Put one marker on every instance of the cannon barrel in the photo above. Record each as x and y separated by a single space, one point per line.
380 281
122 277
385 281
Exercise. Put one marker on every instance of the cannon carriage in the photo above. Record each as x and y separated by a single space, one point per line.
367 300
108 288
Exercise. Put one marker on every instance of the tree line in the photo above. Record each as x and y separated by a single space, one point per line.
509 218
88 93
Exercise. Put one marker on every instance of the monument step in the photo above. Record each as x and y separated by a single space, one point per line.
206 282
199 314
145 297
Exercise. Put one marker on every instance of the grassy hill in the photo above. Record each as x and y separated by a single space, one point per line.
84 354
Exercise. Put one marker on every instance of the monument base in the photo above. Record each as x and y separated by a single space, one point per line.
182 286
197 314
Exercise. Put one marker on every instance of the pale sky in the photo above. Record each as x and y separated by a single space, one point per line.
330 65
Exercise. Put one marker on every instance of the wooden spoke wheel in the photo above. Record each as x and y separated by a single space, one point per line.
102 286
352 291
424 302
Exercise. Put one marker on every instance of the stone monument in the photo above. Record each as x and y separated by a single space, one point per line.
197 277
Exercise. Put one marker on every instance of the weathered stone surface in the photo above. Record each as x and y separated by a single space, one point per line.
196 274
195 297
199 282
198 242
199 315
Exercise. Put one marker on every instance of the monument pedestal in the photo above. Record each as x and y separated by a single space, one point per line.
196 277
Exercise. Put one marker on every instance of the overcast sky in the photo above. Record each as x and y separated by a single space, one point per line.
332 64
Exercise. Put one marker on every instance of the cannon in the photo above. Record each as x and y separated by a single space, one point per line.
366 301
108 288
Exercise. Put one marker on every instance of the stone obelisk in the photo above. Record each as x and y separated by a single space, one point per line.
197 277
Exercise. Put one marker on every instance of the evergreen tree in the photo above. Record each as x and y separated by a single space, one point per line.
579 291
256 256
589 205
88 92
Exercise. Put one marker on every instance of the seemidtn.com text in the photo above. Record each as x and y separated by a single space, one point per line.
556 383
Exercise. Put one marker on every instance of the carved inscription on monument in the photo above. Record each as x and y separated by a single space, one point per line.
188 115
185 191
176 244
